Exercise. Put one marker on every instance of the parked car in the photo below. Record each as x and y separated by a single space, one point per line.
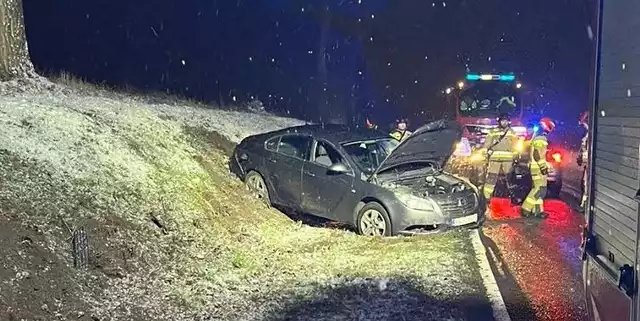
362 177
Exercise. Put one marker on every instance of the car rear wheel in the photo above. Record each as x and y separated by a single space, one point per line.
257 186
373 220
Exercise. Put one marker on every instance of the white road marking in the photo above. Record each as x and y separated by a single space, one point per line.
500 312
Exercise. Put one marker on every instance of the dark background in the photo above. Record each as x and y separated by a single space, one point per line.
384 58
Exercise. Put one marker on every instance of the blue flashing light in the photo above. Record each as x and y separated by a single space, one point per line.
507 77
473 77
536 128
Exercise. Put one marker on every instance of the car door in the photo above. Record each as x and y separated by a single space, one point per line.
285 168
325 193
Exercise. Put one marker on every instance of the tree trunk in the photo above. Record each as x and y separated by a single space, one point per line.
14 54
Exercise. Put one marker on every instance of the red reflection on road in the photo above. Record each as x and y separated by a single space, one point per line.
543 258
501 209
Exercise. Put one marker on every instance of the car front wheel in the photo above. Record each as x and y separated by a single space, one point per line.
257 186
373 220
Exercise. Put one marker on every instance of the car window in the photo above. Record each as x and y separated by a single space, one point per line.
295 146
369 154
326 155
272 144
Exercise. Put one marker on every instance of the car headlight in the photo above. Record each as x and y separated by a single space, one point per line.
519 148
416 203
476 157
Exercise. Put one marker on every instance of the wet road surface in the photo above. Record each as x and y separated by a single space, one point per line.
537 262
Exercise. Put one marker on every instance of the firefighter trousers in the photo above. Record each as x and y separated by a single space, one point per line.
534 203
494 170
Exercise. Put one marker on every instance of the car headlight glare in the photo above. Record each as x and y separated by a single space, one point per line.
416 203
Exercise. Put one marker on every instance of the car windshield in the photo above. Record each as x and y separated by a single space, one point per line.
488 99
369 154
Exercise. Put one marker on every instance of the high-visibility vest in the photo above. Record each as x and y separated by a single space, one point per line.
502 149
399 135
584 149
539 146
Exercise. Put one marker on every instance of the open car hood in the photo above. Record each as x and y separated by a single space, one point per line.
434 142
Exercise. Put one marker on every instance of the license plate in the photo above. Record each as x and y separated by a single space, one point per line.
465 220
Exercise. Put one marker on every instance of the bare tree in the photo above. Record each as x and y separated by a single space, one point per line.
15 61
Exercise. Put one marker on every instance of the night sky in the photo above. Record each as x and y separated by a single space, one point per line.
384 59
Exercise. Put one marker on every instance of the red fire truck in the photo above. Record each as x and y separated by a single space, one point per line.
480 99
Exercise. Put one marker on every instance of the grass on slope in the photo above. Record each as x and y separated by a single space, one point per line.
174 236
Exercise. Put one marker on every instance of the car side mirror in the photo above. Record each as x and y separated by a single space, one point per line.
338 168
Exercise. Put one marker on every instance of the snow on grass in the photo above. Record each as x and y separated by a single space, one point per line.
178 238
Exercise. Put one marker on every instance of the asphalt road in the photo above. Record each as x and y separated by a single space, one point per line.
537 262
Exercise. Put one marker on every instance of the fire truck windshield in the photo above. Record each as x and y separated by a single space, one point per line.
488 99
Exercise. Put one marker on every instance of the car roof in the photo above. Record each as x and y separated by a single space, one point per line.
333 133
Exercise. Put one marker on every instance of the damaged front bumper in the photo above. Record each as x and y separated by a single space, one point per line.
457 210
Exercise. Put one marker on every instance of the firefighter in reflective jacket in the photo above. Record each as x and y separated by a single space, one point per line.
498 150
533 205
400 132
583 157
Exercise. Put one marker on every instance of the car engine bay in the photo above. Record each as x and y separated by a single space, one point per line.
426 185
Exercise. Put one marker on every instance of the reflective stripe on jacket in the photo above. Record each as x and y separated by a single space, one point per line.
584 149
399 135
502 150
538 152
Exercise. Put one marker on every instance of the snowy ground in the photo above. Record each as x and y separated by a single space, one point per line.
192 233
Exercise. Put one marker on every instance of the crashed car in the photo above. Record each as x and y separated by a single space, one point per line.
361 177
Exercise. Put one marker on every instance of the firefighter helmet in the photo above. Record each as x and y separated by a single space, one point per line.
402 120
547 124
504 117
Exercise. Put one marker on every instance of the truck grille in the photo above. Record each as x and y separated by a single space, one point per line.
456 205
477 135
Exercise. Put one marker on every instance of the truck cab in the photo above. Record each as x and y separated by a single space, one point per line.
481 99
611 237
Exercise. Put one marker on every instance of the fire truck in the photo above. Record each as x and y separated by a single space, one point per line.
478 101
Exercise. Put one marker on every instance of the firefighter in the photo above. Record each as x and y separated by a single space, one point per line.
400 132
498 151
533 205
583 157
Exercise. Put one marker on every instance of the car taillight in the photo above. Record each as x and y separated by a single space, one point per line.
554 156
